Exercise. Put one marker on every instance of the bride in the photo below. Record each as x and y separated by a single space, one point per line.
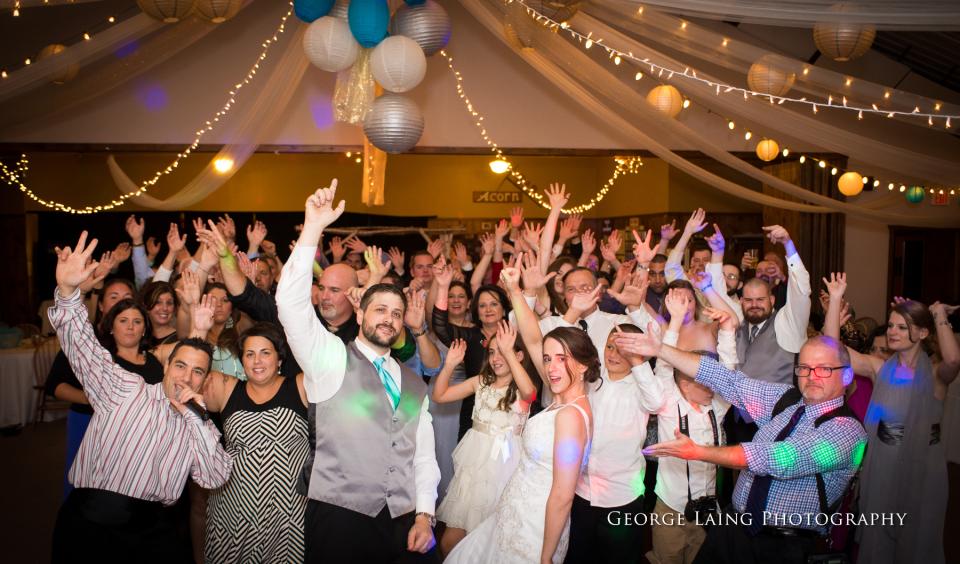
532 519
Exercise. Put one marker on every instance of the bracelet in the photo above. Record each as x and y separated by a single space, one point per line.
433 519
421 333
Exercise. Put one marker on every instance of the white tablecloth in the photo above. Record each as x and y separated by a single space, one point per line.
18 399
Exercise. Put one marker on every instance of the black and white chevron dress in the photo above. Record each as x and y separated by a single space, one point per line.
257 516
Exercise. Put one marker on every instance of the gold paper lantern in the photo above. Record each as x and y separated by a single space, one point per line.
765 76
666 98
767 150
218 11
843 41
167 11
850 183
67 73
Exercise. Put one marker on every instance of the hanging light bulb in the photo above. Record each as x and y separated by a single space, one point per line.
223 165
499 166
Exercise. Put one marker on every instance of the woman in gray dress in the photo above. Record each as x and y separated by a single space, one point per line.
904 470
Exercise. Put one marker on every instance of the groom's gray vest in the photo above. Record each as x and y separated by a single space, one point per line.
763 359
363 455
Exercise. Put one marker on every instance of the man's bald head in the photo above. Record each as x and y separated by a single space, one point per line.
336 280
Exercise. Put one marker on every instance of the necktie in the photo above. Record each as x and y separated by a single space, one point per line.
583 325
387 381
753 332
760 489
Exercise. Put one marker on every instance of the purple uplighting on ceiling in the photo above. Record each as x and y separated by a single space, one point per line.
153 97
126 50
322 111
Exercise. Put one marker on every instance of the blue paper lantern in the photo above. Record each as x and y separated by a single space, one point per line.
368 21
415 2
915 194
311 10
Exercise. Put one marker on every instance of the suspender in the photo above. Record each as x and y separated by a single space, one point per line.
685 429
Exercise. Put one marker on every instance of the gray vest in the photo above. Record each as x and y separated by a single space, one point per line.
763 359
363 449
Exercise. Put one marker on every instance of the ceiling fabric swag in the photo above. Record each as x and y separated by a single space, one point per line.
740 51
897 161
251 121
927 15
621 106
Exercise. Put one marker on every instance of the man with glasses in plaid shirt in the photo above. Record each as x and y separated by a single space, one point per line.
797 467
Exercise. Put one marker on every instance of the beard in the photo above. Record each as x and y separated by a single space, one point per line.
757 315
370 333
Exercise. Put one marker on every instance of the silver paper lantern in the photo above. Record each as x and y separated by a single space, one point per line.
394 123
218 11
340 9
428 24
167 11
843 41
767 77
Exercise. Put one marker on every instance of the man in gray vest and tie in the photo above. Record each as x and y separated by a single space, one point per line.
773 334
373 472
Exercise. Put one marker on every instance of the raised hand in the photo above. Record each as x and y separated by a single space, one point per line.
502 229
214 239
104 268
153 248
531 233
569 227
696 223
646 344
716 241
354 296
516 217
122 252
416 303
256 233
532 273
506 337
456 352
642 251
702 280
589 242
634 291
227 227
198 223
135 230
557 194
174 242
749 260
460 251
510 276
669 230
677 303
435 247
721 316
378 269
836 285
337 249
582 303
397 258
319 211
355 244
443 276
777 234
190 293
609 249
74 266
488 243
631 357
416 284
201 315
247 267
941 311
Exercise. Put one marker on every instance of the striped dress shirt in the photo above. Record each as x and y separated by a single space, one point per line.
137 444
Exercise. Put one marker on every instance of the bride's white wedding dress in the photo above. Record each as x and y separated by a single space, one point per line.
514 533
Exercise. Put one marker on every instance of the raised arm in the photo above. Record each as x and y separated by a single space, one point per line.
506 337
792 319
557 194
175 244
569 442
715 268
949 349
489 248
443 392
527 322
674 267
414 320
667 232
322 356
703 281
862 364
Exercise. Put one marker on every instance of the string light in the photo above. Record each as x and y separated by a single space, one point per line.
588 40
16 178
623 165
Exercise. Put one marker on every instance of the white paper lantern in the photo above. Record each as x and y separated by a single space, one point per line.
218 11
329 44
428 24
666 98
66 74
398 63
394 123
765 76
167 11
340 9
843 41
767 150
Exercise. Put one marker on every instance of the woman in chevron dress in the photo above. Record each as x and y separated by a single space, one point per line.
257 516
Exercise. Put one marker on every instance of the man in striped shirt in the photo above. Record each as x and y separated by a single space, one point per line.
143 443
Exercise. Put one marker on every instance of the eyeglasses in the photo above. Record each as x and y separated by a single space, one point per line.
584 289
731 276
821 372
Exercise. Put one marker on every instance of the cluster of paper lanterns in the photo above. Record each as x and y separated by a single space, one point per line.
172 11
398 59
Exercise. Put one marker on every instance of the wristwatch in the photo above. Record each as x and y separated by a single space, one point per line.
433 520
421 333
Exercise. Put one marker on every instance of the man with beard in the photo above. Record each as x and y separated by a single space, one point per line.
372 475
334 305
657 288
767 347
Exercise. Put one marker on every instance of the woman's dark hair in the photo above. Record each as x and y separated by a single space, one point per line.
487 376
112 281
270 332
464 285
683 285
229 339
489 289
151 293
919 316
578 346
105 329
557 302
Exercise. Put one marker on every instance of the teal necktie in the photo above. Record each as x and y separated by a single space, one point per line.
387 381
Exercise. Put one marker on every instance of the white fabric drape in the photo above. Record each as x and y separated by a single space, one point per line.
926 15
591 84
251 120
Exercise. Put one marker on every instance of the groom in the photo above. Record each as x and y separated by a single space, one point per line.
372 473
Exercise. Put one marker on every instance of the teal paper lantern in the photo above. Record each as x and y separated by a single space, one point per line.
414 2
368 21
312 10
915 194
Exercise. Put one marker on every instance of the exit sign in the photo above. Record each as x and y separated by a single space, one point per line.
495 197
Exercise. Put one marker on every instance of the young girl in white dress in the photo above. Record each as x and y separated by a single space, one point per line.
531 522
489 452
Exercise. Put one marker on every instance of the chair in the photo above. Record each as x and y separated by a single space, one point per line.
43 356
